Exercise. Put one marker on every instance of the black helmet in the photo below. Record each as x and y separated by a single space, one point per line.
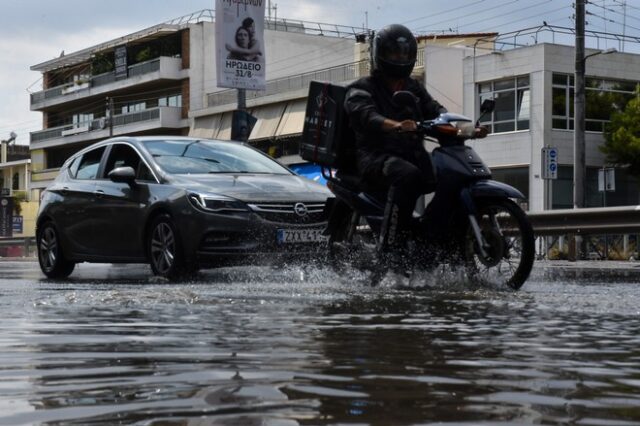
394 51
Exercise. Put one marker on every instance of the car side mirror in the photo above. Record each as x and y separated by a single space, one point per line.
124 174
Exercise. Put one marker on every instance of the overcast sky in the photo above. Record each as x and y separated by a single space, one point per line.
34 31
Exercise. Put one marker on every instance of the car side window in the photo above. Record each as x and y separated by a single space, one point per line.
143 173
123 155
89 164
73 167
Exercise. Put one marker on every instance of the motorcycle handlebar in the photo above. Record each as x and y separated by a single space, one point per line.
436 128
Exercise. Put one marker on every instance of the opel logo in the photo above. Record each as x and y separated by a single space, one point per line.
300 209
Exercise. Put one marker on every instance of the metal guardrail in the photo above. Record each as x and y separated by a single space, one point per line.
28 244
587 221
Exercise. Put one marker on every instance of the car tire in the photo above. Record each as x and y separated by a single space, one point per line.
164 248
51 258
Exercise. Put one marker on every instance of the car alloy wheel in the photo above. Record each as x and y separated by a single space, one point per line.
50 256
164 248
48 249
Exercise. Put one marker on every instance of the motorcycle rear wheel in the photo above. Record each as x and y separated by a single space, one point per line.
510 249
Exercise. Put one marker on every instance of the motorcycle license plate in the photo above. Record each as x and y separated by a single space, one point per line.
294 236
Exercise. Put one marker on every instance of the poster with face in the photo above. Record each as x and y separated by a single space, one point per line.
240 56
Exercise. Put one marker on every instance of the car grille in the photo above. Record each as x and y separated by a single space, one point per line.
298 213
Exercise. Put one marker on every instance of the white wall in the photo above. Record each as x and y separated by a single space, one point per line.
286 54
444 74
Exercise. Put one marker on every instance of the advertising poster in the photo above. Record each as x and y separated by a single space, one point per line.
240 52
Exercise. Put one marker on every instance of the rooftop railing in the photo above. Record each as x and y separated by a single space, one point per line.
282 24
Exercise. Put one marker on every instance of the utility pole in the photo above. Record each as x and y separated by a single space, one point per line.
579 167
579 161
110 114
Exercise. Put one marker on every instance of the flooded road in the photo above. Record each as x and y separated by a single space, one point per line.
304 346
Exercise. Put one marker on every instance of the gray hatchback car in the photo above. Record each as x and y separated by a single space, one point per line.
177 203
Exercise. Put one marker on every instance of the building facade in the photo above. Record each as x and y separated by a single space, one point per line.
533 89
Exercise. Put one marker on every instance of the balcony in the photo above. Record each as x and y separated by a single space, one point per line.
123 124
163 68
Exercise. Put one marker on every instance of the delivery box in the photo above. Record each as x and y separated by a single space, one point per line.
327 139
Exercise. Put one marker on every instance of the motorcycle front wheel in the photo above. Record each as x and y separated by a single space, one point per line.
509 246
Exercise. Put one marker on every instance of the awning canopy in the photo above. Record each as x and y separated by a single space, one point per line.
269 118
279 120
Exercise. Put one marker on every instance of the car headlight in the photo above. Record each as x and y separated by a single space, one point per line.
216 203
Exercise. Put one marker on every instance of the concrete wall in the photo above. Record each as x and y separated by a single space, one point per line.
286 53
444 74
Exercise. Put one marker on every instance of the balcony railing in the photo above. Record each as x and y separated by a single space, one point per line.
339 74
98 80
98 124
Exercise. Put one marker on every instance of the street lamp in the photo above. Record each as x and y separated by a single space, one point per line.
5 143
579 167
12 137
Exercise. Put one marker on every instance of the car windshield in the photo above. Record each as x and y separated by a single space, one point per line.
207 156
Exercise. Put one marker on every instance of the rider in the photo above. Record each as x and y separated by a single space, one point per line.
390 156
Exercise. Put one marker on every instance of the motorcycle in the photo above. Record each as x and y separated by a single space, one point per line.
471 221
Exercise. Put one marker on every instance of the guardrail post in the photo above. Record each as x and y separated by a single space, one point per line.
573 243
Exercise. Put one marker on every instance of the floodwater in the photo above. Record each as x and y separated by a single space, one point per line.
304 346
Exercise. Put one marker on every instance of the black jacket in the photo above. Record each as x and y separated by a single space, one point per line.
368 102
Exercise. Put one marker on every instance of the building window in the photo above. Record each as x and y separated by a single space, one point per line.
518 177
603 97
134 107
15 184
513 101
79 120
172 101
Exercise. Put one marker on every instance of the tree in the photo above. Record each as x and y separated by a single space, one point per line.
622 137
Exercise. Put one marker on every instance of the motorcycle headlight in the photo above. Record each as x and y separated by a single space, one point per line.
216 203
466 129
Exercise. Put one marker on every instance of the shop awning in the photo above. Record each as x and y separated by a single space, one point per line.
292 119
269 117
280 120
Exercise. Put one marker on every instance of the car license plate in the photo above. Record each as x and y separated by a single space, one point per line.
293 236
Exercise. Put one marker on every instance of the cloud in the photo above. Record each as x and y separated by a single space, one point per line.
16 78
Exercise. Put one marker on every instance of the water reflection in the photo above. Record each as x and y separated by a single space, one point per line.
293 346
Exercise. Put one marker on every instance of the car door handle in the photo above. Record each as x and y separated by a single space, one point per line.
64 190
99 193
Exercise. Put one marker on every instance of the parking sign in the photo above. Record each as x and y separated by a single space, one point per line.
549 163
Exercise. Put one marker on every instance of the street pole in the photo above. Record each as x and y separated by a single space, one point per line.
579 166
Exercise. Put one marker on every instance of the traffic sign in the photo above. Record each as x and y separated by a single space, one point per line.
607 179
549 163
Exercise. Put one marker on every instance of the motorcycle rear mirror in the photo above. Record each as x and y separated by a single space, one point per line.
404 98
488 105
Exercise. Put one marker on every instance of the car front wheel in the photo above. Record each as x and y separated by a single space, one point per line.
50 256
165 252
